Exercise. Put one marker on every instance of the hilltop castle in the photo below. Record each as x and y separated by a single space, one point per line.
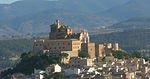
62 40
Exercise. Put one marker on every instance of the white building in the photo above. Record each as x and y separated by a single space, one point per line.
39 74
91 69
57 68
53 69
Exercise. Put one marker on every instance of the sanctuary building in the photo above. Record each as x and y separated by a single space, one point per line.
63 40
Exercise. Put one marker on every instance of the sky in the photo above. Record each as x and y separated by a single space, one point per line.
11 1
7 1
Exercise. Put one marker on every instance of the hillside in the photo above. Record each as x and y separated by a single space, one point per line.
90 6
26 7
13 47
132 39
10 50
129 40
40 22
139 22
35 16
134 8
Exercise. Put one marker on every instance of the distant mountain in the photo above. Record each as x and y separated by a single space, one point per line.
40 22
90 6
133 23
7 31
35 16
27 7
129 40
134 8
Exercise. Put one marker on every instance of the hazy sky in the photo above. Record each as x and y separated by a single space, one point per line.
11 1
7 1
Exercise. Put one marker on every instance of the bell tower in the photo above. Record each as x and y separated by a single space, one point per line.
84 36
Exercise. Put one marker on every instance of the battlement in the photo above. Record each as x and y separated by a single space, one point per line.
59 31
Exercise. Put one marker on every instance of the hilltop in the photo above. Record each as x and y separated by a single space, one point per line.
133 8
129 40
27 7
133 23
33 16
38 23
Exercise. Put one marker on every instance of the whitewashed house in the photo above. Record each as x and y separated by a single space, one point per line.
53 69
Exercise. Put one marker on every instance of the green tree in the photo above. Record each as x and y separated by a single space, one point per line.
30 61
83 54
120 54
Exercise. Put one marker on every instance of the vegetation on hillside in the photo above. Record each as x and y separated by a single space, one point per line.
58 75
30 61
120 54
13 47
129 40
10 51
133 23
125 55
129 10
136 54
83 54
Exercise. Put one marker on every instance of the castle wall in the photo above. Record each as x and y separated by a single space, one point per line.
99 50
38 46
89 48
56 46
76 45
61 39
71 53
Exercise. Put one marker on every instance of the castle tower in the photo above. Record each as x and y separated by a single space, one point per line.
59 31
109 45
99 50
116 46
84 36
